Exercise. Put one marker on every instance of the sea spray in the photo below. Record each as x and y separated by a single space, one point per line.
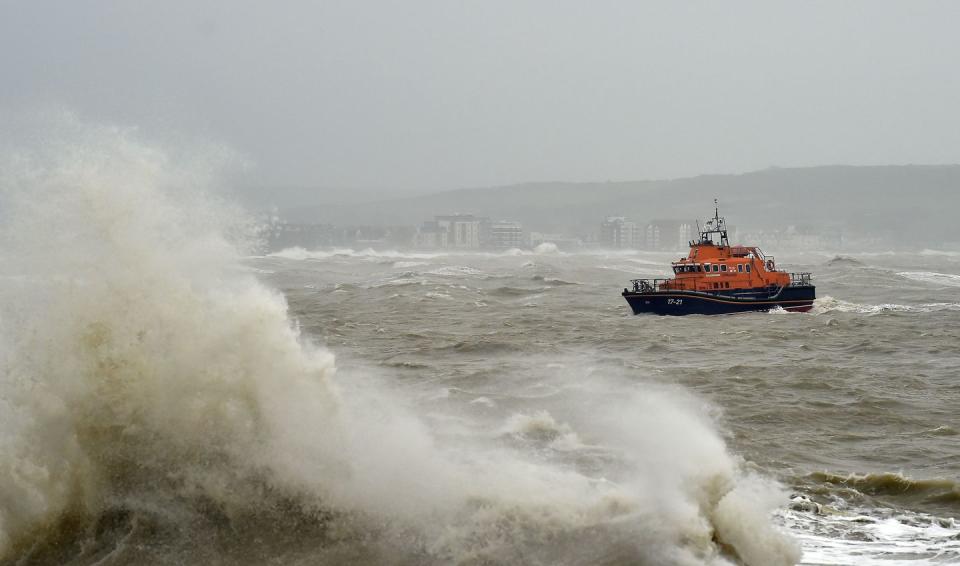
155 390
139 360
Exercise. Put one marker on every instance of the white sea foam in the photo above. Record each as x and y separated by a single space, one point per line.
457 271
934 253
932 277
436 295
145 351
658 264
485 401
635 269
299 254
835 536
540 427
408 264
829 304
546 248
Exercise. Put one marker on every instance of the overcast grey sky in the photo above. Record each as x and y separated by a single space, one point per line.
445 94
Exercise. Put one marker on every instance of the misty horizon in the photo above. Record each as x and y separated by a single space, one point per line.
430 97
359 193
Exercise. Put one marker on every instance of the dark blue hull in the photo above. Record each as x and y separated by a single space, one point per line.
793 298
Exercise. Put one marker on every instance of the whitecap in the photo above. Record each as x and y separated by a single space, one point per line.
932 277
436 295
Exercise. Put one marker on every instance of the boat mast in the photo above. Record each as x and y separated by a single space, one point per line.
720 224
717 225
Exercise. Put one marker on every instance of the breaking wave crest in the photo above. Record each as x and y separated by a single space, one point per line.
932 277
900 518
300 254
159 405
828 304
842 260
947 253
898 485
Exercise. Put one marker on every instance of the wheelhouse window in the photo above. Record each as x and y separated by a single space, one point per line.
716 267
723 267
740 268
748 268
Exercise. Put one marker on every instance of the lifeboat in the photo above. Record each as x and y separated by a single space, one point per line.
717 278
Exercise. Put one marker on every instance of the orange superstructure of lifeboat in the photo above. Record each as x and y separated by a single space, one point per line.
712 267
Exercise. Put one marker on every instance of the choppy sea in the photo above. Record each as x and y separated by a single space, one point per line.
168 399
852 409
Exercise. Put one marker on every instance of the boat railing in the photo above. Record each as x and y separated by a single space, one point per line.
800 279
653 285
647 285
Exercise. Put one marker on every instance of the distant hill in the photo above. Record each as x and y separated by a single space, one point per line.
913 203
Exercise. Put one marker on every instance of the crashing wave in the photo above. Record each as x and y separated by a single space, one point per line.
159 405
893 484
546 248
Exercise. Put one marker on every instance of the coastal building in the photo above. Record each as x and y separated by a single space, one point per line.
685 234
456 231
652 239
463 230
504 234
668 234
430 235
618 232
